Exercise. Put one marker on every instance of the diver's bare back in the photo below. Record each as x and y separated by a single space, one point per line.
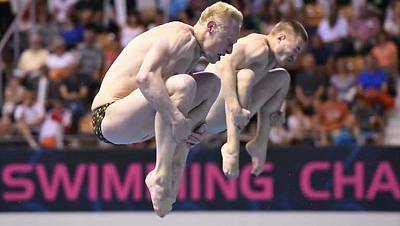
119 80
254 54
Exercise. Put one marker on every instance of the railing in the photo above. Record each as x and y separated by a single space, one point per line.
21 6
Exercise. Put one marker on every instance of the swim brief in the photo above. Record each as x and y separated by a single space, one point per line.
97 118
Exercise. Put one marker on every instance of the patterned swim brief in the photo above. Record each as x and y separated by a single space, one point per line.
97 118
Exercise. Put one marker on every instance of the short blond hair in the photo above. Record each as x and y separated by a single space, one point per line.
220 11
291 26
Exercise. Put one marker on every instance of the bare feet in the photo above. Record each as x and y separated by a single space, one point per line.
230 161
258 153
159 191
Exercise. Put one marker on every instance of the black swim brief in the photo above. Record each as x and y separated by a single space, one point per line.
97 118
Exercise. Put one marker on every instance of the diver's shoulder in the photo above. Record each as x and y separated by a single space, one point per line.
177 26
254 43
176 29
254 38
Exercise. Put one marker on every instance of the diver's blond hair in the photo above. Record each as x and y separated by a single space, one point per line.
220 11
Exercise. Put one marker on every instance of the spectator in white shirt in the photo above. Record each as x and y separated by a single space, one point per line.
29 116
58 118
333 28
61 63
60 8
334 32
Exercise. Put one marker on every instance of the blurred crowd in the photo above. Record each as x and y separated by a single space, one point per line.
342 90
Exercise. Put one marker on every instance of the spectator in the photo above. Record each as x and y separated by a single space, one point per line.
111 52
356 6
90 56
369 123
373 85
320 51
333 29
44 87
385 52
33 58
96 21
29 116
13 95
364 28
331 116
61 63
344 81
299 126
90 60
379 7
347 133
7 128
84 7
60 8
309 85
132 28
58 118
288 8
46 28
72 30
74 91
392 20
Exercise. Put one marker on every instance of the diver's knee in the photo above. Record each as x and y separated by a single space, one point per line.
182 84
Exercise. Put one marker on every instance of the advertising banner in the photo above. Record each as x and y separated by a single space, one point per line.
296 178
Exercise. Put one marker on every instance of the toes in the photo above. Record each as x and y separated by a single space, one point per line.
258 167
160 213
162 210
230 166
256 171
160 197
231 173
163 206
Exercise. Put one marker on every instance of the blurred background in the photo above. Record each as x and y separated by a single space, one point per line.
337 151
